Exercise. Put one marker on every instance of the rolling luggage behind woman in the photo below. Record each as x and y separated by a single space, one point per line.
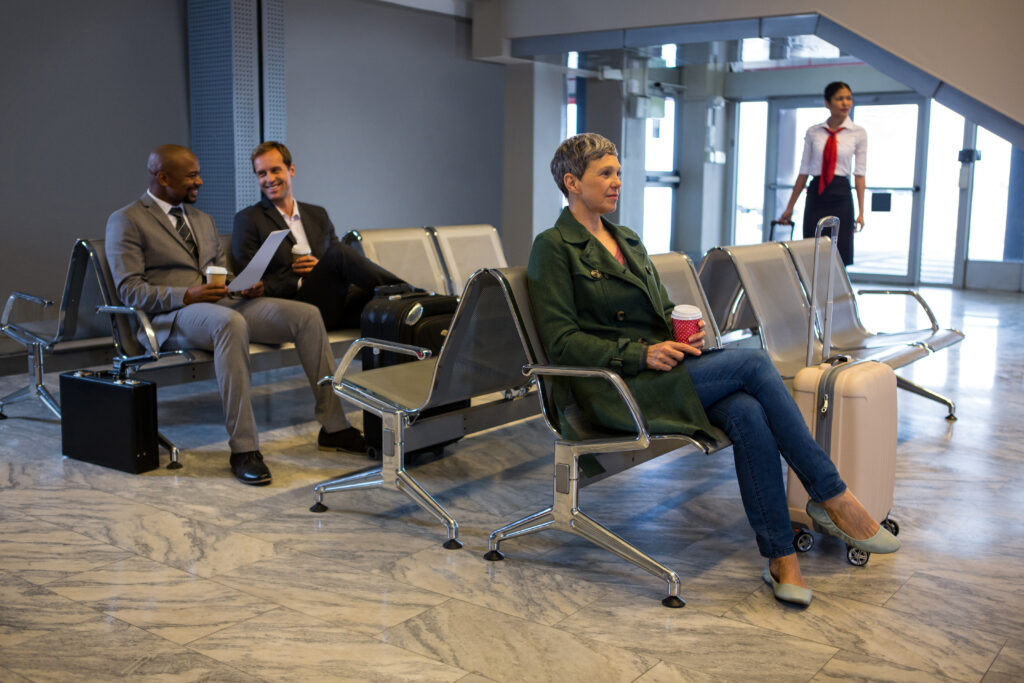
850 409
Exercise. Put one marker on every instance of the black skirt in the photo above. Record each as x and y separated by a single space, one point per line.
837 201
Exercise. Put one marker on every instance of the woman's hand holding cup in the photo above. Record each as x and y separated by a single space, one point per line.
688 326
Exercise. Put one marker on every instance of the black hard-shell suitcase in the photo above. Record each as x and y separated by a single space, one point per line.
416 318
109 421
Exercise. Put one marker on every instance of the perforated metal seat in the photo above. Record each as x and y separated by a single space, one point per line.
767 278
466 249
409 253
481 360
613 451
77 328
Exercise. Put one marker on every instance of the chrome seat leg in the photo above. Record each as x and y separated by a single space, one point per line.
172 449
903 383
358 480
419 495
588 528
35 388
565 515
531 524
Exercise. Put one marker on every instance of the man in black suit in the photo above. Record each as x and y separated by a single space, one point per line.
330 275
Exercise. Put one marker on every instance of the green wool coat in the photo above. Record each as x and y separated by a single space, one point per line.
593 312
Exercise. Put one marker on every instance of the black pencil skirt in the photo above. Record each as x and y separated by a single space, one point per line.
837 200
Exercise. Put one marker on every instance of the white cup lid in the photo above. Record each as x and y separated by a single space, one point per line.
216 270
299 249
686 312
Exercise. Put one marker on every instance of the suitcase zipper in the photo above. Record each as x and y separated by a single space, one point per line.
823 429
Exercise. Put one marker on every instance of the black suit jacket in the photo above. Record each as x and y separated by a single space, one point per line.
252 226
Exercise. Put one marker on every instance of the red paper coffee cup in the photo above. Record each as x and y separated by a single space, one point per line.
685 322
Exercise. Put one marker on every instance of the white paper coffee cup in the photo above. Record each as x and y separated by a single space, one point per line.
299 250
216 275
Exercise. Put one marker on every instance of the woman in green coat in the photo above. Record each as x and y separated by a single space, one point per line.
599 302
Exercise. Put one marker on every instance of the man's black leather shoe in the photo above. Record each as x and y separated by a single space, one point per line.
348 439
249 468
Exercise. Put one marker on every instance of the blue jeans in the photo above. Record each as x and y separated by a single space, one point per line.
743 395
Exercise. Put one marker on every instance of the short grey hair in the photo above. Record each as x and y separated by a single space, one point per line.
576 153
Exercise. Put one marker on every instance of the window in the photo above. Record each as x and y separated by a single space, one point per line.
753 137
988 201
659 192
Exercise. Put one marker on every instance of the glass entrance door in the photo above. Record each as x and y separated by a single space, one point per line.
889 248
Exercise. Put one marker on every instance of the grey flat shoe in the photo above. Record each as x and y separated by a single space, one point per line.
787 592
882 542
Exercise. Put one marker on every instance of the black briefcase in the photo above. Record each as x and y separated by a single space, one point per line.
109 421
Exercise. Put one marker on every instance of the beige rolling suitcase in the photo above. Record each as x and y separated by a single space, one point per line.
850 408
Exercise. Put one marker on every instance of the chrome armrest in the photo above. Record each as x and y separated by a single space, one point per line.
643 436
144 323
417 352
16 331
908 292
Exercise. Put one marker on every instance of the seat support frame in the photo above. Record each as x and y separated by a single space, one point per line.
392 474
564 514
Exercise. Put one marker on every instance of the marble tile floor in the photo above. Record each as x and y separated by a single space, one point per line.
189 576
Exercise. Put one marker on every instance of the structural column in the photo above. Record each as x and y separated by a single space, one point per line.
534 94
236 95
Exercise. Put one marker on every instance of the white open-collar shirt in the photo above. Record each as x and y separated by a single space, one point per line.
294 223
851 149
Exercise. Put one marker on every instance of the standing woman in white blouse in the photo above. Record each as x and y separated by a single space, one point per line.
832 150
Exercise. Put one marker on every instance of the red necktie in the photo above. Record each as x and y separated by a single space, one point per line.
828 160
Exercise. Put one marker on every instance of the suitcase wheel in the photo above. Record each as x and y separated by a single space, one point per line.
856 556
891 526
803 540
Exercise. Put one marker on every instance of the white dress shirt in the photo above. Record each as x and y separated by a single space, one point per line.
851 141
294 223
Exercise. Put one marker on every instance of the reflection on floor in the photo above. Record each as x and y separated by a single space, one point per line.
188 575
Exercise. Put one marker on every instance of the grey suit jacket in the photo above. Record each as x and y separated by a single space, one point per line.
151 265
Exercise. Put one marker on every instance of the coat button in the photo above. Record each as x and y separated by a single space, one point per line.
596 274
621 315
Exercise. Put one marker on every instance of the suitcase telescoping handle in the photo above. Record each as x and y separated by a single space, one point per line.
832 223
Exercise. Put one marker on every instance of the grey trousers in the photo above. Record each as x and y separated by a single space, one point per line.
227 327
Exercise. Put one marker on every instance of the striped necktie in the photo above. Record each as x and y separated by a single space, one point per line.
186 234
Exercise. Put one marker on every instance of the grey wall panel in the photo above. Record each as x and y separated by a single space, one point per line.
692 33
569 42
88 90
783 27
389 120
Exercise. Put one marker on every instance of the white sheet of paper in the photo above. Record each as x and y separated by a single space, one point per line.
258 265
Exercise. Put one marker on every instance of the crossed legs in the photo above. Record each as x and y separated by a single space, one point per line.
744 395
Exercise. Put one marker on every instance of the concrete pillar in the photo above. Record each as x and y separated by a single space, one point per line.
606 114
534 95
701 153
